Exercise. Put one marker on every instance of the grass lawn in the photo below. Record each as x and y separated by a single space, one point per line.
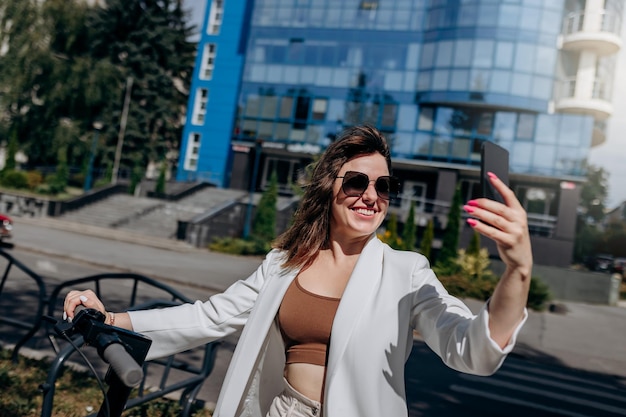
77 393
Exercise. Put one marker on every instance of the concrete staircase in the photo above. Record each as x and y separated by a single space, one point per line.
150 216
163 220
112 211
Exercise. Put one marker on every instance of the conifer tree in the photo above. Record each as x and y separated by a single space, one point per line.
426 243
450 242
392 229
160 184
408 232
473 248
9 163
264 225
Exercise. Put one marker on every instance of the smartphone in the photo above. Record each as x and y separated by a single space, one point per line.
493 158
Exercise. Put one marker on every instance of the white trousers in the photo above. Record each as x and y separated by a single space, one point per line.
291 403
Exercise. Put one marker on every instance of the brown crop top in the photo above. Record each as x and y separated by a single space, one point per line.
305 321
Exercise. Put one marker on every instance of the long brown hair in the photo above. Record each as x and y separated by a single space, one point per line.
310 230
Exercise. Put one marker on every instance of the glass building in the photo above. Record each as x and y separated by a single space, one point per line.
276 80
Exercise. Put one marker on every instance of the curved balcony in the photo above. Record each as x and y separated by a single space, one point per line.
598 32
595 102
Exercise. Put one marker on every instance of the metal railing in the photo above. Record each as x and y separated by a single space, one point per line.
566 88
608 21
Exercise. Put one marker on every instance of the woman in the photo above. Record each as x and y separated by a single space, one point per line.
328 318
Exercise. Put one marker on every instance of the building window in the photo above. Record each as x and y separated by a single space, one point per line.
426 119
525 126
215 17
200 105
193 149
369 5
208 61
320 106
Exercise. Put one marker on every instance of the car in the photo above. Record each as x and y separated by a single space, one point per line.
619 266
603 263
6 227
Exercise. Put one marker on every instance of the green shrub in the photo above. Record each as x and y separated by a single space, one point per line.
390 236
14 179
55 184
465 287
538 295
34 179
235 246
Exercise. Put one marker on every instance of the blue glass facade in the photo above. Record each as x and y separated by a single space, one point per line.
438 77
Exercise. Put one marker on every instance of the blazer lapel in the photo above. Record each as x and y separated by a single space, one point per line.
360 289
250 344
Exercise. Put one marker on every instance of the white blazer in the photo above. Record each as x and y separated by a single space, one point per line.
390 294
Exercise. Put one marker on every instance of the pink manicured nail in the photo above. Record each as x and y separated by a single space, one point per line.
472 203
472 222
468 209
492 175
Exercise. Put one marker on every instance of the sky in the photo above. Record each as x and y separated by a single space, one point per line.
611 155
196 7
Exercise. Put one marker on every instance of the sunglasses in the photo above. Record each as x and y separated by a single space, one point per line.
355 183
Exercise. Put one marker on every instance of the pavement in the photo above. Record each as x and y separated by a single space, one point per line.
580 336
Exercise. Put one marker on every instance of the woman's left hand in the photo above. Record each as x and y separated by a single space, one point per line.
506 224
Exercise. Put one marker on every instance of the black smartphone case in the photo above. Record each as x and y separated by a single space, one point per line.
493 158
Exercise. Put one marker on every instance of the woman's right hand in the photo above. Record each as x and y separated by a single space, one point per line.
75 298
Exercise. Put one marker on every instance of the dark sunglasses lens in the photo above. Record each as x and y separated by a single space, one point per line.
387 187
383 186
354 183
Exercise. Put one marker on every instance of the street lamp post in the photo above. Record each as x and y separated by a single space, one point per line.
122 131
94 144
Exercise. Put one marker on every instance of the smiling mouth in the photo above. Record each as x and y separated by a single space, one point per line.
366 212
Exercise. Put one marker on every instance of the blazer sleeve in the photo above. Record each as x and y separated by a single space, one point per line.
175 329
459 337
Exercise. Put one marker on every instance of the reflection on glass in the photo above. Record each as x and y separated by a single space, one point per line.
461 148
544 156
252 105
504 126
525 126
270 104
441 145
402 146
426 118
421 144
442 120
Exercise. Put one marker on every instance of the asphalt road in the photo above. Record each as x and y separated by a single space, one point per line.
532 385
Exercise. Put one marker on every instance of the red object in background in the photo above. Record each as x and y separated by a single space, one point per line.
6 227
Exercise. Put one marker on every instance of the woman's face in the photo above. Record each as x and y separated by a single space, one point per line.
359 216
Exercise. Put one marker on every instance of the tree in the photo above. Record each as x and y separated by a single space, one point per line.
473 248
146 40
450 242
160 184
408 232
427 239
390 236
593 194
264 225
589 239
12 146
65 59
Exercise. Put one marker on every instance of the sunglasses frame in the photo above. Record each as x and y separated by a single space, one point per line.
354 174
